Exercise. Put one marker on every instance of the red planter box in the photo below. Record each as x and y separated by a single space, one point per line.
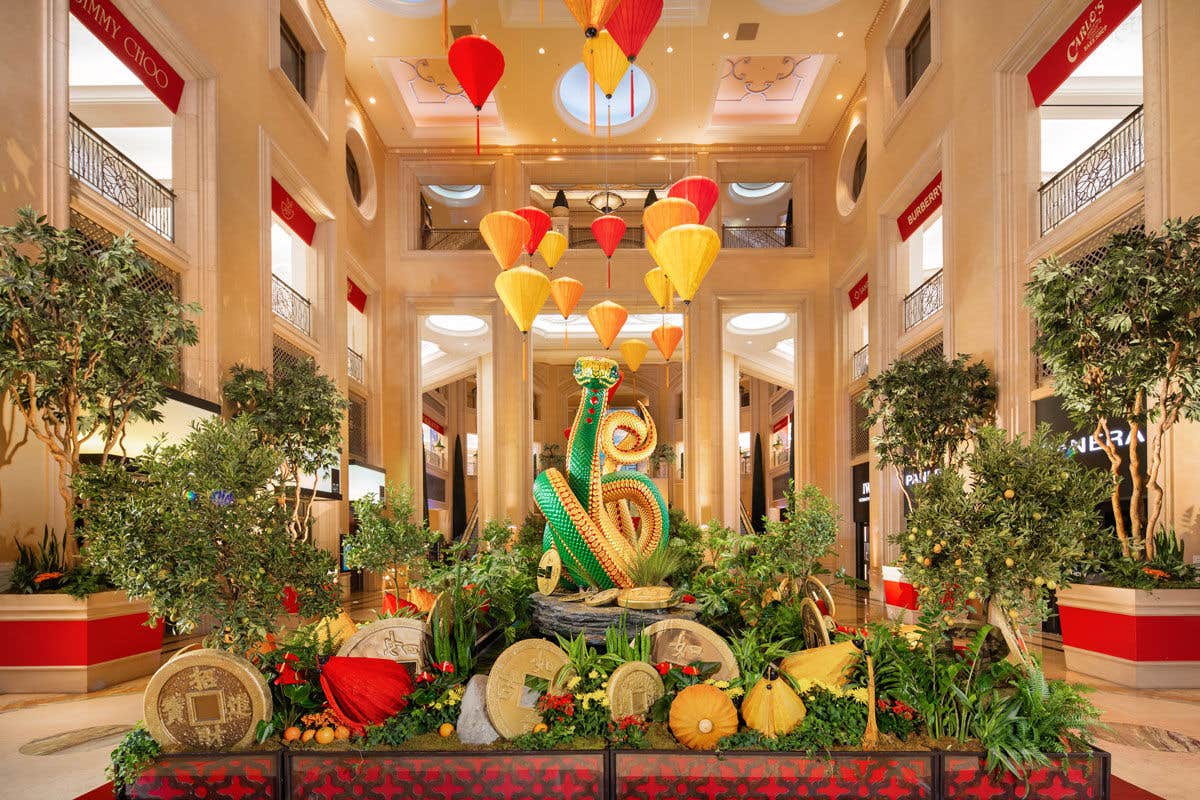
214 776
1072 777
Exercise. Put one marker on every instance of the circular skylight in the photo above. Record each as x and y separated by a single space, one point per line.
552 325
755 191
456 324
758 322
572 97
456 193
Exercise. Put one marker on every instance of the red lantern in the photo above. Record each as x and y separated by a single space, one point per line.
539 223
700 190
607 231
630 26
478 65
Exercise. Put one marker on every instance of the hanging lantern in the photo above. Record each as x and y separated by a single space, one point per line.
566 293
630 25
523 290
668 213
687 252
478 65
651 199
659 286
634 352
553 245
607 231
606 64
539 224
700 190
592 15
607 319
505 234
666 339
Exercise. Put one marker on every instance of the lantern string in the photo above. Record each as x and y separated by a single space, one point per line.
476 133
632 82
591 107
541 11
524 356
445 25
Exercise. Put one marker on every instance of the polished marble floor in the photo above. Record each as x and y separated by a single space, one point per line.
56 746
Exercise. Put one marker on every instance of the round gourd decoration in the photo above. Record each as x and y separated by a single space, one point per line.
701 716
772 707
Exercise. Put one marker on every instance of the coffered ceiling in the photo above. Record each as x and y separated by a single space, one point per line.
715 71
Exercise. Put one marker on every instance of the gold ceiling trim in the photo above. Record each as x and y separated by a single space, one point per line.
337 31
668 151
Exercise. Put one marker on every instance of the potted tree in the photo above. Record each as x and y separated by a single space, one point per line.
1119 336
87 347
391 538
927 409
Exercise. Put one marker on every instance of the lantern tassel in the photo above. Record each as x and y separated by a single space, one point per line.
445 24
609 274
524 357
566 343
632 82
476 133
609 133
591 107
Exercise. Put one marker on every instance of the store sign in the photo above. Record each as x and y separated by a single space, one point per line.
781 424
117 33
1086 33
288 210
433 423
1084 446
858 293
860 479
356 296
921 208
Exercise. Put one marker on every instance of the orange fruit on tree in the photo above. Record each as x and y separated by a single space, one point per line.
291 734
541 727
341 732
324 736
445 730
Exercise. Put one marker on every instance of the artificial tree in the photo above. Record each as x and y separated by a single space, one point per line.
87 343
391 536
927 409
298 411
1121 337
200 533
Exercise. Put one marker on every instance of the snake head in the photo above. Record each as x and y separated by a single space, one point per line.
596 373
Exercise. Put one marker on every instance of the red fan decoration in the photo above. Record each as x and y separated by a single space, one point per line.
539 223
700 190
630 26
478 65
607 231
365 691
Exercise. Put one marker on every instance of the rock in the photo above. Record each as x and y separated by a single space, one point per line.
473 726
553 615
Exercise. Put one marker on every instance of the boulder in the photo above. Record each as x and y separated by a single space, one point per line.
553 615
473 726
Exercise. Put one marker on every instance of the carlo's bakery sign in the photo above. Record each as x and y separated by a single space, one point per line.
117 33
1084 35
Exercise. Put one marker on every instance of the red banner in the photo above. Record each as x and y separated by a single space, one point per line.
288 210
117 33
858 292
1092 27
921 208
781 424
356 296
433 423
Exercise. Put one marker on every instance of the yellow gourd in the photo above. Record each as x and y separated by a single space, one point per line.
772 707
701 716
830 664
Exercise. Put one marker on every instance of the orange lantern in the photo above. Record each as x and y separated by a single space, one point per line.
523 290
667 213
505 234
591 14
607 319
686 253
553 245
566 293
666 339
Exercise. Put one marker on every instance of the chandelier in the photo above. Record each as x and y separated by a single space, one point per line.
606 202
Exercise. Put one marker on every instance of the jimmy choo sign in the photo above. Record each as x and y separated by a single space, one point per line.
1084 35
112 28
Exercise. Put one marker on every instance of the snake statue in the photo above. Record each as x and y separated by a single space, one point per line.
588 518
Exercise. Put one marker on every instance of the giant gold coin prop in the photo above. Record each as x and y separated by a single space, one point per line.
400 639
206 700
646 597
633 688
510 706
549 572
682 642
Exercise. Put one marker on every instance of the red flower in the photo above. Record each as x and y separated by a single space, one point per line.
688 598
446 667
291 600
663 667
690 670
425 677
46 576
1156 573
287 673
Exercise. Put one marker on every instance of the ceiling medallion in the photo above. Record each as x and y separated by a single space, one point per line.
606 202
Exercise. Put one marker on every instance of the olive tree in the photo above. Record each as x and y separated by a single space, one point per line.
392 536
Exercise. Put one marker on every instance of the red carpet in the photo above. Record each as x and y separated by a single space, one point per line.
104 792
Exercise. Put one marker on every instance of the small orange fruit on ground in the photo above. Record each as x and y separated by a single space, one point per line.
541 727
1009 494
341 732
308 735
325 736
291 734
445 730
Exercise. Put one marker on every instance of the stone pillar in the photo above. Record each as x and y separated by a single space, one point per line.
702 410
507 418
401 401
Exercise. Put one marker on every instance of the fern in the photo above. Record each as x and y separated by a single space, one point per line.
651 569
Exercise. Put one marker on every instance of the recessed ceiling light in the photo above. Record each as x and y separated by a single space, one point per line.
659 157
839 96
840 34
747 219
725 35
670 49
541 51
466 220
554 158
554 138
371 100
483 36
370 38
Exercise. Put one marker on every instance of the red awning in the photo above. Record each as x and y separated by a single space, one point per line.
433 423
125 42
291 212
921 208
1086 33
356 296
858 292
781 424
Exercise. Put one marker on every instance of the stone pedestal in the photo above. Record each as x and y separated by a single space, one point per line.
553 615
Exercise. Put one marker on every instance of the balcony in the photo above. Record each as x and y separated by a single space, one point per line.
582 239
1117 155
923 302
354 366
452 239
755 237
859 363
97 163
291 306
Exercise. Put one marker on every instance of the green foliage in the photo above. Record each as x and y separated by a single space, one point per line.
1166 569
47 568
754 653
653 568
429 707
1009 535
298 412
86 346
832 721
302 652
392 536
928 408
199 533
795 546
1119 334
136 751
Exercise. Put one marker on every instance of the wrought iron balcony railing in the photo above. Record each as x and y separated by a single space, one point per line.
290 306
356 427
452 239
1117 155
754 236
859 362
354 365
96 162
582 238
923 302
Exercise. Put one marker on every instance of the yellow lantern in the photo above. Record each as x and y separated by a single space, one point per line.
659 286
566 293
666 214
607 319
687 252
505 234
634 352
605 62
591 14
523 290
553 245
